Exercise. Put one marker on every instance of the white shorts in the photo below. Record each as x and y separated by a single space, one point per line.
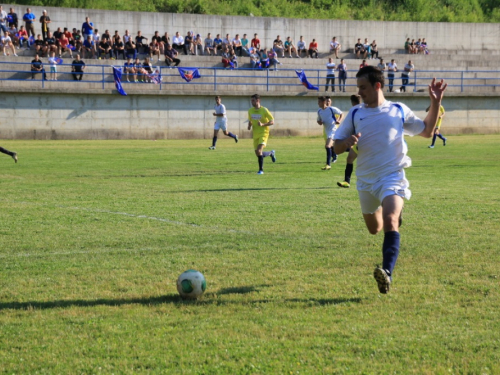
221 125
372 196
330 131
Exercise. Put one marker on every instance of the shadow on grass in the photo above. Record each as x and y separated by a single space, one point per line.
249 189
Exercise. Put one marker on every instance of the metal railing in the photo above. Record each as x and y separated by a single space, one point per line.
213 78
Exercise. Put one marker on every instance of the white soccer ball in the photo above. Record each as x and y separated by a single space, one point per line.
191 284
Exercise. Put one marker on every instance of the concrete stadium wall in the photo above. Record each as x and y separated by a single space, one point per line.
440 36
111 116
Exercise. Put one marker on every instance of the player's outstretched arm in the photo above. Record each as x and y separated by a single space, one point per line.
436 93
341 145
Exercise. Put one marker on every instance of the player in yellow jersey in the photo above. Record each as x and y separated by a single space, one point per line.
437 131
259 120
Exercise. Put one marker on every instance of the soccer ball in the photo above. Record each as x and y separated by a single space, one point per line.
191 284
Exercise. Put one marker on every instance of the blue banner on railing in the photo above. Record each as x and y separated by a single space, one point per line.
117 74
305 82
188 74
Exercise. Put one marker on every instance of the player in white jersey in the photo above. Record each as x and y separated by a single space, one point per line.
220 122
377 127
329 117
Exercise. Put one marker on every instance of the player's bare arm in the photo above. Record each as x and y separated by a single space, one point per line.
267 123
436 92
341 145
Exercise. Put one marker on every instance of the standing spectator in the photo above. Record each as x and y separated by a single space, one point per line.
255 43
259 120
278 47
237 45
301 46
171 56
289 47
405 75
188 41
330 74
342 69
217 44
119 47
40 46
359 49
77 68
28 19
104 49
178 41
12 18
374 49
45 20
37 66
392 68
209 45
89 49
7 43
128 69
363 64
335 47
313 49
3 20
87 28
130 48
381 65
244 45
53 66
141 42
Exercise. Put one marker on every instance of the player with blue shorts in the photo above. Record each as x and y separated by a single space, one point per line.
220 122
377 127
329 117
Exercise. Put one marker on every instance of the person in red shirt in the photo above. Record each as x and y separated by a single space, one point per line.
255 43
313 49
64 46
363 64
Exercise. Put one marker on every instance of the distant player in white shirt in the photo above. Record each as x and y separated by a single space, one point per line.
329 117
220 122
377 127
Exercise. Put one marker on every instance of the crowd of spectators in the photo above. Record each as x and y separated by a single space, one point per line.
414 47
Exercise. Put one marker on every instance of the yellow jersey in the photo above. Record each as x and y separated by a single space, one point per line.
441 112
264 116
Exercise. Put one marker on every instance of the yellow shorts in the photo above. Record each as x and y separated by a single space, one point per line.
260 141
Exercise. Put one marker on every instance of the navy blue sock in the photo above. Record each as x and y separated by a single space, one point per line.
441 137
390 250
214 141
334 155
434 139
348 172
261 162
266 154
328 156
231 135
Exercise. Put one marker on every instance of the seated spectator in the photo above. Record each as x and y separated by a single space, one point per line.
359 49
417 45
412 47
104 49
217 44
88 49
53 66
165 39
40 47
381 65
37 66
154 49
178 42
77 68
255 43
374 49
97 37
335 47
313 49
148 70
407 46
363 64
188 44
115 37
171 56
209 45
64 46
129 69
131 50
264 59
57 34
198 45
366 44
226 57
237 46
126 36
226 42
77 40
106 35
273 59
51 43
423 47
244 45
255 59
13 35
23 37
290 48
7 44
118 47
139 68
233 58
278 47
301 46
141 42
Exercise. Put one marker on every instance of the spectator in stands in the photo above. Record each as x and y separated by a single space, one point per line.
3 20
417 45
381 65
40 46
178 41
342 69
335 47
233 58
97 37
141 72
363 64
209 45
77 68
64 46
188 44
255 58
405 75
366 44
147 70
44 21
89 49
330 75
104 49
264 59
126 37
392 68
359 49
171 56
313 49
51 43
128 69
423 47
407 46
141 42
154 49
37 66
115 37
131 49
23 37
53 66
165 39
7 43
198 45
278 47
77 40
217 44
12 18
290 48
412 47
88 28
226 42
106 35
273 58
13 35
255 43
226 60
301 46
244 45
28 19
374 49
69 35
236 43
57 35
119 47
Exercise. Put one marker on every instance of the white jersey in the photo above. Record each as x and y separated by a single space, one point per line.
220 109
329 118
381 147
330 69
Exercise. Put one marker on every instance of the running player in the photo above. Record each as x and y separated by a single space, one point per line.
12 154
437 131
377 127
260 119
329 117
220 122
353 153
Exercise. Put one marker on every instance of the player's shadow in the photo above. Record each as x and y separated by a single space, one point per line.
251 189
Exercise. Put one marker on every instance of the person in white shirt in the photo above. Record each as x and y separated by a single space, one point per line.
329 117
377 128
335 47
381 65
392 68
301 46
220 122
178 42
330 74
7 43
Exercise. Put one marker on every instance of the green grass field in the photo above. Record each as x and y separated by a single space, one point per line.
95 233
